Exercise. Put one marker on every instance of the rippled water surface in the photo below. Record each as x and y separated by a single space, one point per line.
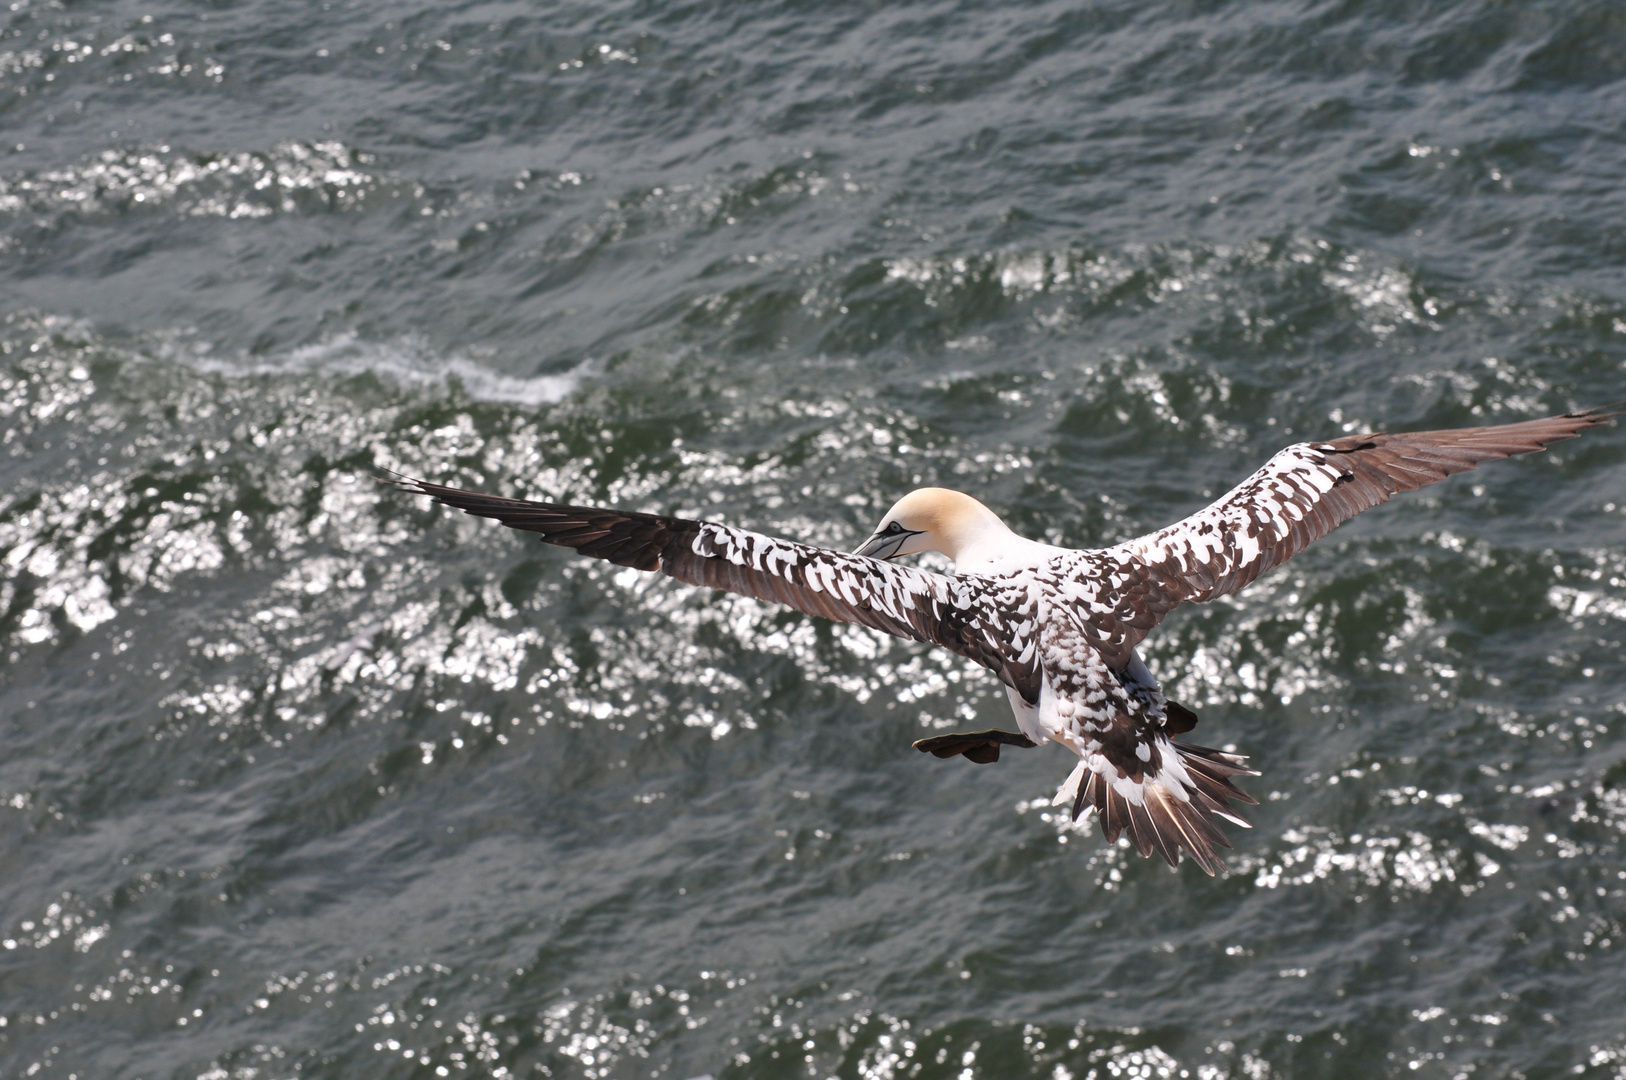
301 777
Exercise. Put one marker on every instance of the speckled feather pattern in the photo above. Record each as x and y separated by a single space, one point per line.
990 620
1060 629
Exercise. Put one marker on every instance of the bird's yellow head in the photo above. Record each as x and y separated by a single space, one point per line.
931 519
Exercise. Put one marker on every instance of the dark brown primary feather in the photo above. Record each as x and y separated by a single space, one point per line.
1380 465
1276 513
962 614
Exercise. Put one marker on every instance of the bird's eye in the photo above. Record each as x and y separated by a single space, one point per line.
894 528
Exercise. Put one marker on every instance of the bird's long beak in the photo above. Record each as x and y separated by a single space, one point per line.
883 545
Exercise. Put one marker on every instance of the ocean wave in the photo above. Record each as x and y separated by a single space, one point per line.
408 362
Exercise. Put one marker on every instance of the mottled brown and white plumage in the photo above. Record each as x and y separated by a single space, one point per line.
1058 626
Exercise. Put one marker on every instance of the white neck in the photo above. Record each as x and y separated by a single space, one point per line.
983 544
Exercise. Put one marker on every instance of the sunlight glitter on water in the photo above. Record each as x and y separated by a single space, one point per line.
464 618
327 759
191 534
286 179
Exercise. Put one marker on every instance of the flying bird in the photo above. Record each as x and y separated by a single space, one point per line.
1058 626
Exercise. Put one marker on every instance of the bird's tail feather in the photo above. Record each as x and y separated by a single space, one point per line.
1159 819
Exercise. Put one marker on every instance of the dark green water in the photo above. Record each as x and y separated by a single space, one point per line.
299 777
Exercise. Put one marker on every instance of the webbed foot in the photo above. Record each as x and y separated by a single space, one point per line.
981 747
1177 719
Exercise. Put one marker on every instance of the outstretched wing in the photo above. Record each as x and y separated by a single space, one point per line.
1301 495
987 620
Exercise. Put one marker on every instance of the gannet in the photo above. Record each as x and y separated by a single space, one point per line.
1058 626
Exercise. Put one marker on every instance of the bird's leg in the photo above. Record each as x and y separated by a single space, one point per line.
981 747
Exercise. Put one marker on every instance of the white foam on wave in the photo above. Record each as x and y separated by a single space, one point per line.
408 363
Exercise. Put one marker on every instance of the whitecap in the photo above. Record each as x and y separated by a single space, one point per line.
408 363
